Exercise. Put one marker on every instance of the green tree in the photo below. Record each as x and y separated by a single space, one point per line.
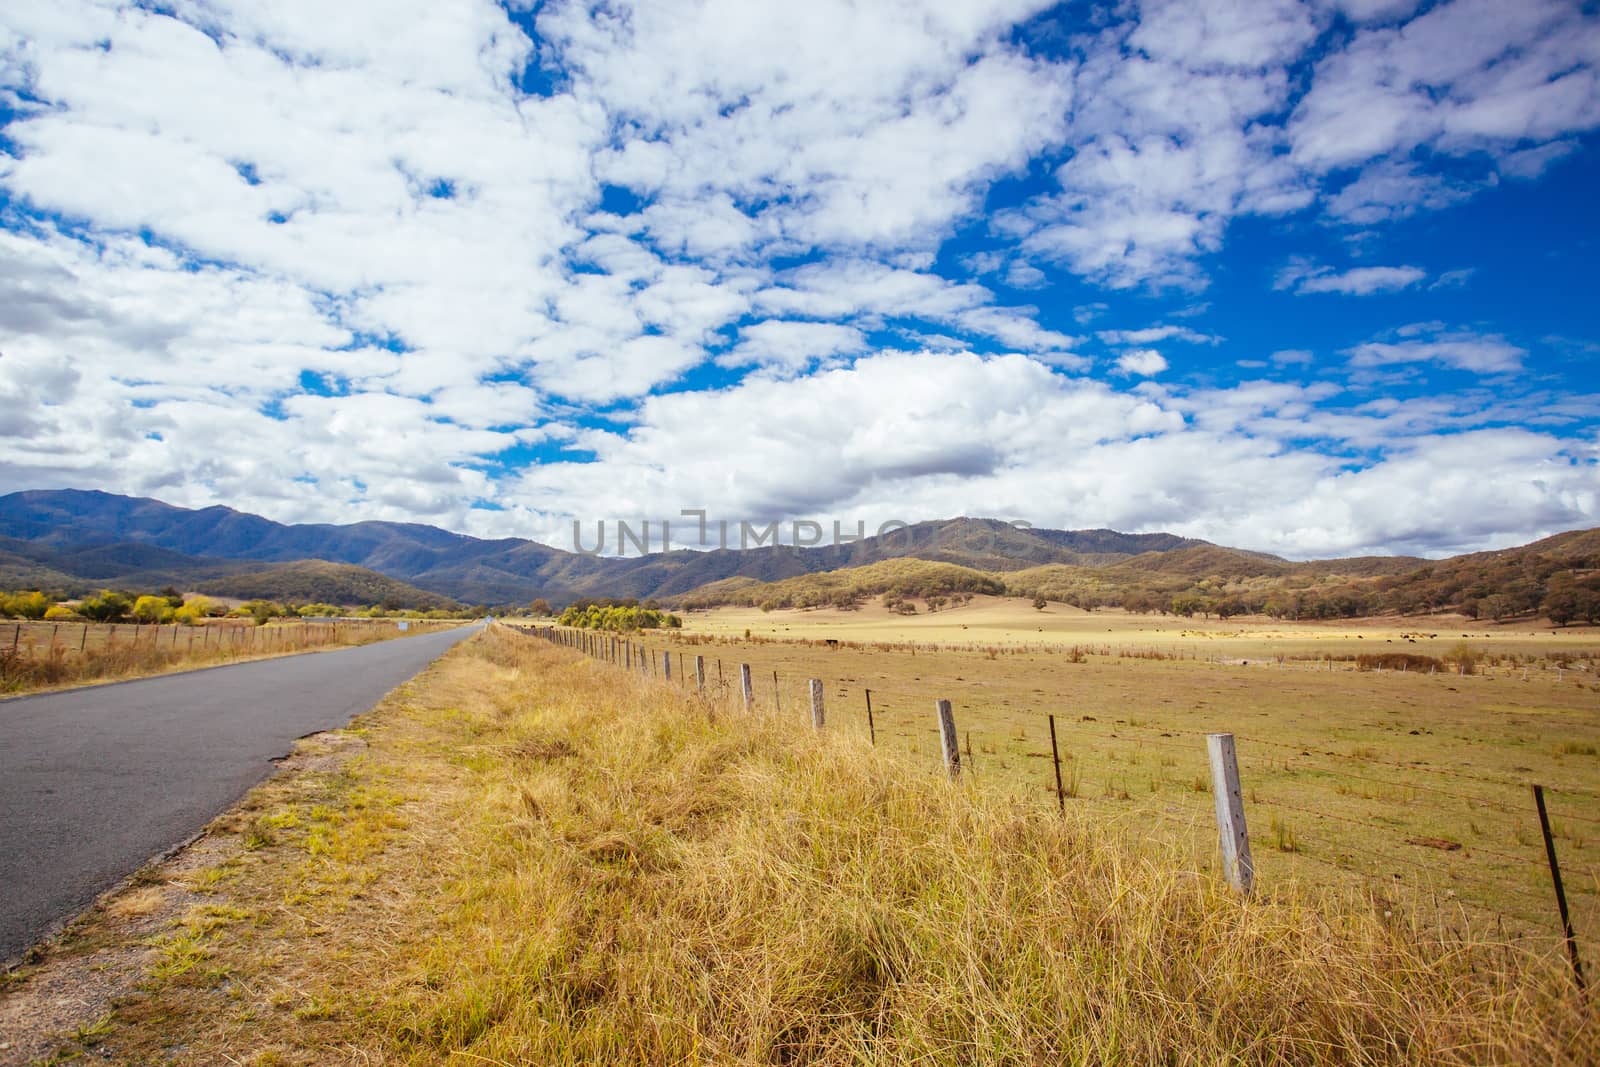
108 606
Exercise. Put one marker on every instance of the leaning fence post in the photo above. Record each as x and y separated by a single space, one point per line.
1555 877
872 729
816 703
745 688
948 740
700 673
1236 862
1055 757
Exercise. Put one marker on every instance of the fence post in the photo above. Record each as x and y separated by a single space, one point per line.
746 690
777 694
666 665
817 717
1055 757
948 741
872 730
700 673
627 655
1555 877
1236 861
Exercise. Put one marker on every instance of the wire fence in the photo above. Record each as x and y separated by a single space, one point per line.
1466 844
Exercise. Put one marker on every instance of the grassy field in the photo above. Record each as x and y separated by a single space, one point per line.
37 656
527 857
1398 781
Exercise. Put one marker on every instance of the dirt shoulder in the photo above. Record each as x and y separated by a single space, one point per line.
123 981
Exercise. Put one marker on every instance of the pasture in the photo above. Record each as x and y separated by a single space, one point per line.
1410 784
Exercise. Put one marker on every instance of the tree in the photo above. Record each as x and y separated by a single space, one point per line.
152 609
1228 607
1187 605
193 610
109 606
27 605
540 607
1039 603
1561 605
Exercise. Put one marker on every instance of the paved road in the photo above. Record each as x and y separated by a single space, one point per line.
95 781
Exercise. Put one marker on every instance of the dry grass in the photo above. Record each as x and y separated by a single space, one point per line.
41 656
1355 766
539 860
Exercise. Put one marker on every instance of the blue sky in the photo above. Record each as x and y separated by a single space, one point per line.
1307 276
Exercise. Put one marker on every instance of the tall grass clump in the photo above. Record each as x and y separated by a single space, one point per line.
640 874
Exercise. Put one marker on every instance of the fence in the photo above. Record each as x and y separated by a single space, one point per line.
36 654
1466 848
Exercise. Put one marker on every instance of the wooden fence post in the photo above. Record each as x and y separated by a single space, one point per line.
1561 893
1235 837
817 716
872 730
666 665
1055 757
627 655
700 673
948 741
745 689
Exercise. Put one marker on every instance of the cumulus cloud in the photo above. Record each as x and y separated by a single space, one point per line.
793 346
401 260
1141 361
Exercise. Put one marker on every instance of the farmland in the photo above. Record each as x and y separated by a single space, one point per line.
478 871
1412 780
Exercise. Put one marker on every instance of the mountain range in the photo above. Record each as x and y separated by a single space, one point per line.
73 540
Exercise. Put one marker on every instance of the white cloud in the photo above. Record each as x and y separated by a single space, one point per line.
1430 343
1303 276
792 346
1292 357
220 213
922 435
1141 361
1151 334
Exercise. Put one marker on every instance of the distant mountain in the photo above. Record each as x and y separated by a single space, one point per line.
84 536
93 534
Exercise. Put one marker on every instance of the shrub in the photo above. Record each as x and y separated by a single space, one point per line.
152 609
31 605
108 606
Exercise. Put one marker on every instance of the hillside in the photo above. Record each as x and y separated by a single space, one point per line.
320 582
1558 577
73 538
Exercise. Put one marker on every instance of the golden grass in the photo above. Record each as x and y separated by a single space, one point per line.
541 860
1411 779
41 656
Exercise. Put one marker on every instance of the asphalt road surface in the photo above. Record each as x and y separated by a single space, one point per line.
96 781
